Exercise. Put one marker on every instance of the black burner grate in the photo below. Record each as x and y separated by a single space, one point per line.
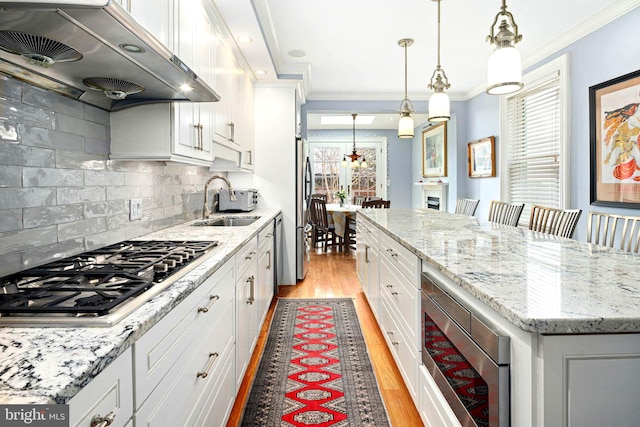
95 282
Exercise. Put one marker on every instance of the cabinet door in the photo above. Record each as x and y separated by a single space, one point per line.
223 76
156 16
246 321
264 283
248 136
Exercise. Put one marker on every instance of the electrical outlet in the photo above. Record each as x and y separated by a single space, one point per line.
135 209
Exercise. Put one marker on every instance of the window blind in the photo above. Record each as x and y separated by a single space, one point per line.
534 138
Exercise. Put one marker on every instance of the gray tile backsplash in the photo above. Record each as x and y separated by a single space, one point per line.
59 192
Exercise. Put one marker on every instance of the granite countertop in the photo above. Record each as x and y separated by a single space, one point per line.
540 283
50 365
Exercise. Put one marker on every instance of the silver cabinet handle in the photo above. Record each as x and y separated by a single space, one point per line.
251 254
366 254
199 145
391 290
390 333
205 373
252 298
250 162
100 421
269 266
232 127
213 299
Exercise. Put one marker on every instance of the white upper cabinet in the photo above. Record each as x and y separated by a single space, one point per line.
155 15
184 131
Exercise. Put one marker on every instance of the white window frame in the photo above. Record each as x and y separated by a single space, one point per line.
558 65
381 146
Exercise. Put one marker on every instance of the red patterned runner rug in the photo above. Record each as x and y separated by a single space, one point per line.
315 370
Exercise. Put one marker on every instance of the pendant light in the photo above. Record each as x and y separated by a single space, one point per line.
405 125
439 107
354 156
504 69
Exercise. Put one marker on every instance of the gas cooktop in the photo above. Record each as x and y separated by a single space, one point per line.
96 288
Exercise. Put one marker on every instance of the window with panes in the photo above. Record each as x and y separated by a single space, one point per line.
534 138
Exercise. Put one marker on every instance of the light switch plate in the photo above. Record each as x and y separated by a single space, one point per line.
135 209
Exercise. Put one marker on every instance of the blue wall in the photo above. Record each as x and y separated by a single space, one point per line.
607 53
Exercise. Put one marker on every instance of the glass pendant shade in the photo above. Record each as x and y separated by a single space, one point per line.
364 163
405 127
439 108
504 71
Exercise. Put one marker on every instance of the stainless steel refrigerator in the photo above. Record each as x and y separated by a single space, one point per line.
303 191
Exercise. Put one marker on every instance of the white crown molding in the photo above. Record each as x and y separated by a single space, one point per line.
616 10
263 14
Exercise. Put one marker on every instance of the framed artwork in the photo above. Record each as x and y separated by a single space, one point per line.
434 150
482 158
614 124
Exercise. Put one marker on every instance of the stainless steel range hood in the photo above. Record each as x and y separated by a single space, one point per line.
95 52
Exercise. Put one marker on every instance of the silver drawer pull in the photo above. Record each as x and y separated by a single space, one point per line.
99 421
213 299
252 298
391 290
205 373
251 254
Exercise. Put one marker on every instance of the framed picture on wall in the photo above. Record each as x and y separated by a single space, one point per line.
614 122
434 150
482 158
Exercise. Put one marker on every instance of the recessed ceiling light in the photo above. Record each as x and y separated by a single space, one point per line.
346 120
297 53
261 72
245 39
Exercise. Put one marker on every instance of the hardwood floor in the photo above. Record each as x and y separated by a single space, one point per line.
333 275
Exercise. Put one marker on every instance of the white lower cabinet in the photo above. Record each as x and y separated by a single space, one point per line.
433 408
177 362
108 394
246 320
264 278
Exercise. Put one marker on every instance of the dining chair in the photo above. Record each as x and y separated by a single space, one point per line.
466 206
376 204
601 230
369 198
325 233
559 222
357 200
505 213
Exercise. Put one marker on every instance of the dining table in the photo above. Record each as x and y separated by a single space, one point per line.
338 214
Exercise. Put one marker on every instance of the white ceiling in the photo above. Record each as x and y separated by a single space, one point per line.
351 47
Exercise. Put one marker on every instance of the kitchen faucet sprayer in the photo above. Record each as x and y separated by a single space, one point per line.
206 211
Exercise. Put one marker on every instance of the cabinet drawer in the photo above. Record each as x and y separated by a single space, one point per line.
403 299
218 401
367 231
246 255
158 350
265 236
404 260
406 356
110 391
177 396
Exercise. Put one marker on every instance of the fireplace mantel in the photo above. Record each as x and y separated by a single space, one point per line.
432 190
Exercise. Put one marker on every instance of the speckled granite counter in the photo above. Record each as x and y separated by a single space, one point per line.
540 283
50 365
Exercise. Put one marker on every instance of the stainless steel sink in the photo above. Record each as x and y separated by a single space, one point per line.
227 221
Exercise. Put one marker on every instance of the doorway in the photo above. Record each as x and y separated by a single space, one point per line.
331 173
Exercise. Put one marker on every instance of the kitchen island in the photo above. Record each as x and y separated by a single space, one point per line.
51 365
571 310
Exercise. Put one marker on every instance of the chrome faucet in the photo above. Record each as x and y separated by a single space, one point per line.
206 211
